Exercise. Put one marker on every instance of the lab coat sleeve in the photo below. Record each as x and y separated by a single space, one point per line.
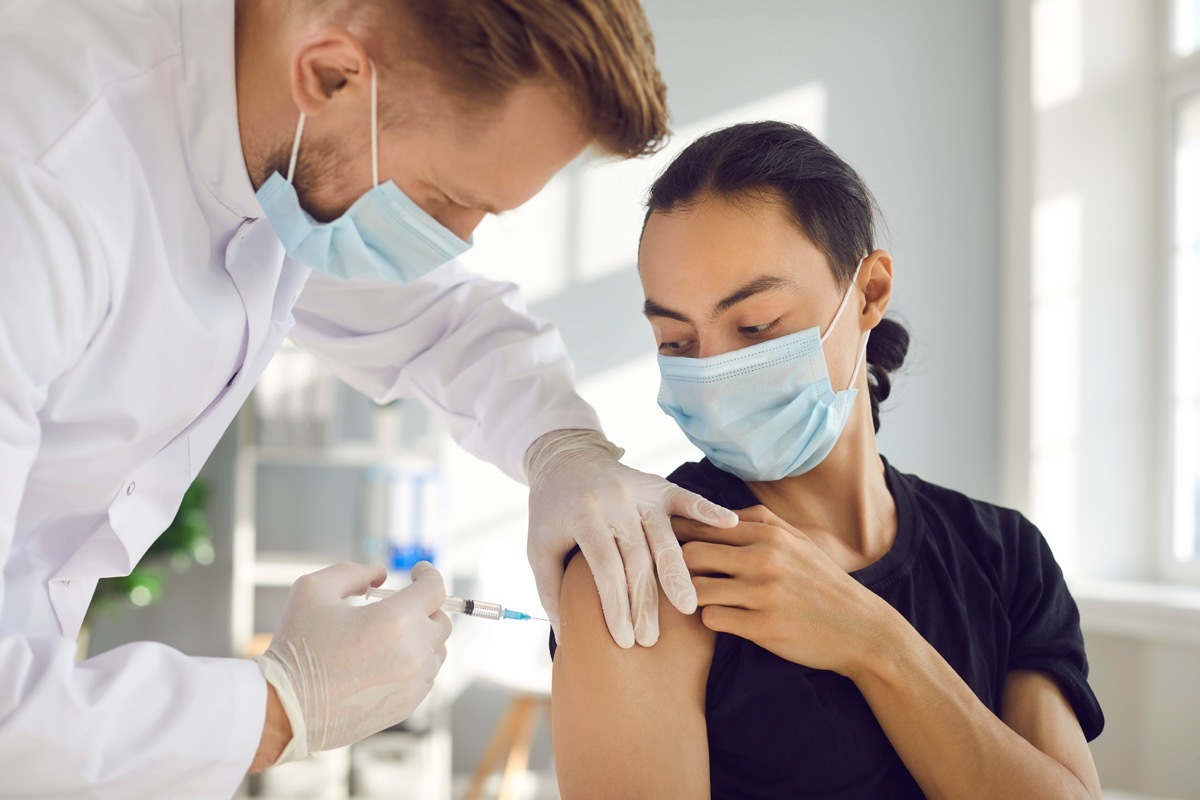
141 720
496 377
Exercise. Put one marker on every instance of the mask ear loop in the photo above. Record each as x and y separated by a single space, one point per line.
858 362
295 148
374 125
845 301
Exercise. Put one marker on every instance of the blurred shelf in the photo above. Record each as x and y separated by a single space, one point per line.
336 456
369 448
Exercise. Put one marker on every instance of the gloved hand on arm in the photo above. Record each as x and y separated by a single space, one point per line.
579 492
343 672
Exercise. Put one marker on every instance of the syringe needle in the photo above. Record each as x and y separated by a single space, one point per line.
467 607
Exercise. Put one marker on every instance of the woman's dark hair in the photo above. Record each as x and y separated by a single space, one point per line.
824 195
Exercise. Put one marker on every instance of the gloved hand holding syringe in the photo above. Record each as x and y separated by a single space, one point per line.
462 605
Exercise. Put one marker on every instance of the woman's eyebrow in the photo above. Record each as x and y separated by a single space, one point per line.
653 309
757 286
766 283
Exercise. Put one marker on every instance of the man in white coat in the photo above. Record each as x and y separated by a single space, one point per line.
184 183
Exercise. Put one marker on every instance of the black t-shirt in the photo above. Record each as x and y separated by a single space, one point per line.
977 581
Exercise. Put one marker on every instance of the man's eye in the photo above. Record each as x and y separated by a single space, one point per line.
674 347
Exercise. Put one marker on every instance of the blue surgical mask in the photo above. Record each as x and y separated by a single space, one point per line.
383 236
764 412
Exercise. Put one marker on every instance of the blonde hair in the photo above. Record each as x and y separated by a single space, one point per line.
600 53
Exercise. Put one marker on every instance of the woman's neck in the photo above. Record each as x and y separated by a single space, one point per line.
843 504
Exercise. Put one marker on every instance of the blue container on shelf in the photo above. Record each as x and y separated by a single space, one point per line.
405 513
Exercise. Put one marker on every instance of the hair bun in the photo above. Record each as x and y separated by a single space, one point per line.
886 348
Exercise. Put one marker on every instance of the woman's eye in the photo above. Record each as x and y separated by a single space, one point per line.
756 330
674 347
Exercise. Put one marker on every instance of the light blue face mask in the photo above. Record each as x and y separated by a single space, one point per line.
383 236
764 412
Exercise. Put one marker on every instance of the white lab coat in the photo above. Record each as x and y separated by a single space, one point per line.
141 297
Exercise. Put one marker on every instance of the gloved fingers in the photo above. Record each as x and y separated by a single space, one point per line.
639 574
682 503
668 559
436 631
427 590
443 627
340 581
600 549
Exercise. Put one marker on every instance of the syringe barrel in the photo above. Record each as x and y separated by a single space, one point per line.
454 605
478 608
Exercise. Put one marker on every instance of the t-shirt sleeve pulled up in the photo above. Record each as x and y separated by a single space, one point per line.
1046 635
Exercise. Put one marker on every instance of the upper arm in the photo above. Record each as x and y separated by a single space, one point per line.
1035 707
54 295
628 723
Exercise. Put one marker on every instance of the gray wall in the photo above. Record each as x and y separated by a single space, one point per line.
1148 692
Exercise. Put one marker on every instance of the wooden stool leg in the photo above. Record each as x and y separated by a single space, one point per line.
501 740
518 756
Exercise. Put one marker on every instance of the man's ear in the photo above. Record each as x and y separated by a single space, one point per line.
876 284
325 65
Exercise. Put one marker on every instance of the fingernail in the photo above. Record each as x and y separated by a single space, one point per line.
647 630
648 639
685 597
625 638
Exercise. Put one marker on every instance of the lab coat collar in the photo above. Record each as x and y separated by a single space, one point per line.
210 104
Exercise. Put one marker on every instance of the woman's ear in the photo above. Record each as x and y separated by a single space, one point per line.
876 284
325 64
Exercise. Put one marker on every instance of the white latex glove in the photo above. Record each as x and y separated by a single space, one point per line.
343 672
621 518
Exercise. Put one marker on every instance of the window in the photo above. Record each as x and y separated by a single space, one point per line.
1183 96
1185 27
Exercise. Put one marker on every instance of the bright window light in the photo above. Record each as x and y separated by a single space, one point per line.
1057 351
1186 543
1057 68
1185 27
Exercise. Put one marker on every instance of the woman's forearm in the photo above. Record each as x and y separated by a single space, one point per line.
953 745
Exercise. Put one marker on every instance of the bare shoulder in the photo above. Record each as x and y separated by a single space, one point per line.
628 723
682 637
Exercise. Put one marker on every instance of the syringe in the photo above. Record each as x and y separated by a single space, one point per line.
462 605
